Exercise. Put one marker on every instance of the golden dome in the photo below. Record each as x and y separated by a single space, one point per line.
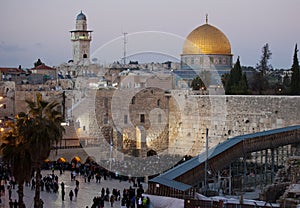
206 39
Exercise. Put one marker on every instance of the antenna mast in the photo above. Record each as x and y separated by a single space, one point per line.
124 47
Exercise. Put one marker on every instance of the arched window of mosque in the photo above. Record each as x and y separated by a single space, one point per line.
216 61
158 103
192 60
224 60
201 60
133 100
84 55
211 59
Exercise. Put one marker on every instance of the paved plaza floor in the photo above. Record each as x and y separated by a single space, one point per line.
87 191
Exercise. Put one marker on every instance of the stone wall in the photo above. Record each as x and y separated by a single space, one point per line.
7 92
225 117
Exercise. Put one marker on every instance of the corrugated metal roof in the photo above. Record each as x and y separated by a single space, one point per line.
218 149
171 183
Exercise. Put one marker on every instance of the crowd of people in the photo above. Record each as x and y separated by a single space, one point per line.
130 197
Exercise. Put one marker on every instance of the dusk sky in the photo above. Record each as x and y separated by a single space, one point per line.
35 29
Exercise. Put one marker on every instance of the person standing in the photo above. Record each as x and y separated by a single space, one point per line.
9 192
16 204
63 193
71 194
112 200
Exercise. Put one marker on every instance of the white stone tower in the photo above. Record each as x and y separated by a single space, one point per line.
81 38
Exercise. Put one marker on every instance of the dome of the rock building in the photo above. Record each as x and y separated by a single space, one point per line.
206 39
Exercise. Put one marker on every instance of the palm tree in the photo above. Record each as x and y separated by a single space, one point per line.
16 152
44 129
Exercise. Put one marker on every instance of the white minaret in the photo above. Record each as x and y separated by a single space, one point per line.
81 38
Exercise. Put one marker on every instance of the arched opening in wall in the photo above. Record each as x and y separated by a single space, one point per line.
133 100
151 153
158 103
84 55
90 159
61 160
76 160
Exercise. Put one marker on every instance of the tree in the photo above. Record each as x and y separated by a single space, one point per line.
286 83
261 81
38 63
16 152
295 80
263 66
198 84
236 81
43 130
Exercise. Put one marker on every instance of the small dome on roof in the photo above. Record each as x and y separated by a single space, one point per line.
81 16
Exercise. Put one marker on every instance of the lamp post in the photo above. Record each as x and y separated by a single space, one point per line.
206 161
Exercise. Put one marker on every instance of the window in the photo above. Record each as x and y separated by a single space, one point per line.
133 100
105 119
125 119
84 55
105 102
142 118
158 103
83 128
4 106
159 118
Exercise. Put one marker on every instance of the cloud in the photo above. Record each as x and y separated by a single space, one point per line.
10 48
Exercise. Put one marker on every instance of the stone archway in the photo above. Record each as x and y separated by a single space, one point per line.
151 153
76 160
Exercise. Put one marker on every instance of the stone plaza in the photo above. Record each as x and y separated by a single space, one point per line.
87 191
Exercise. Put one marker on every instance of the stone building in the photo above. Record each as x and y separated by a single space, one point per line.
48 72
206 52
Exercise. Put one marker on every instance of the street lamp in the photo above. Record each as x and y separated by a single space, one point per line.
206 163
1 98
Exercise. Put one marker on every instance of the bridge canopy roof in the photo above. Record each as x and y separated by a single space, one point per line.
169 176
171 183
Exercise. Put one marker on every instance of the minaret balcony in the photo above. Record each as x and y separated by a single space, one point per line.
81 38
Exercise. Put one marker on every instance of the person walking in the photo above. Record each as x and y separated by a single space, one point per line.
71 194
63 195
77 184
76 191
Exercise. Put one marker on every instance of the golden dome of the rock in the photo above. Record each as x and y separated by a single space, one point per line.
206 39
